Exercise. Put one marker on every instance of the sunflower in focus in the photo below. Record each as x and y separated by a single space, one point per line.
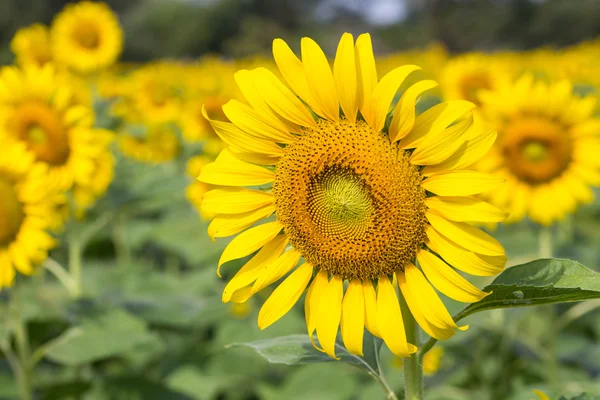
160 144
465 76
364 202
86 36
31 45
28 210
547 149
39 108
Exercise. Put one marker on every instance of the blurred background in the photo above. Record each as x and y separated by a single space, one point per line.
150 323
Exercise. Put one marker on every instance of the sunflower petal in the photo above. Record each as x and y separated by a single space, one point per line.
466 235
370 308
389 320
329 313
438 147
228 170
320 78
276 269
344 72
465 209
461 183
230 224
365 68
405 113
285 296
249 241
234 200
312 304
353 318
248 120
446 280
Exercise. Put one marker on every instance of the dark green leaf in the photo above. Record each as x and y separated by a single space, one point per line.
545 281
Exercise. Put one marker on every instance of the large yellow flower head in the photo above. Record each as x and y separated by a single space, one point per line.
40 108
86 36
28 209
465 76
547 149
31 45
364 200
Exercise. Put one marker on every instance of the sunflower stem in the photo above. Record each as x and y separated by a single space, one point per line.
413 367
23 360
545 242
75 249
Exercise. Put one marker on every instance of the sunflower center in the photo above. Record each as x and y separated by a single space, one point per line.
350 201
41 128
86 34
11 212
536 150
472 83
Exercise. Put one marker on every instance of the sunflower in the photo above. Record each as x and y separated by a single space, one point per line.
86 36
40 108
160 144
465 76
28 207
547 149
358 197
31 45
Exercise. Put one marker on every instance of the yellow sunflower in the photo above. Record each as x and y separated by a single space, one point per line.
86 36
358 197
160 144
547 149
28 207
39 108
465 76
31 45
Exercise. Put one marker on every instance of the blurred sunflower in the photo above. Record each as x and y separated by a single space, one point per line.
197 189
86 36
39 108
547 149
357 198
28 210
465 76
160 144
31 45
195 127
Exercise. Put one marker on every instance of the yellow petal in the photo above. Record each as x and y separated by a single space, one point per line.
435 119
329 313
461 183
365 68
377 105
320 79
470 152
425 304
353 318
249 241
276 269
465 209
405 113
460 258
234 200
248 120
466 235
281 99
250 271
446 280
312 304
228 170
285 296
438 147
344 72
389 320
370 308
246 81
292 70
229 224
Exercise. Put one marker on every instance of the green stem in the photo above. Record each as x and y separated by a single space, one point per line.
75 250
23 372
545 242
413 367
119 236
61 274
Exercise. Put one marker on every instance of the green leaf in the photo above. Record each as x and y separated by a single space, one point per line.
583 396
98 337
297 349
545 281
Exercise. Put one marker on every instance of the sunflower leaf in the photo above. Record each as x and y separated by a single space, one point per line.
544 281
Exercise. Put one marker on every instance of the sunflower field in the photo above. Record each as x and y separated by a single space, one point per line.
281 200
